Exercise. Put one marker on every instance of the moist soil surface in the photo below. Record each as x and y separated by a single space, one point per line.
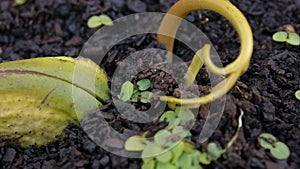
265 92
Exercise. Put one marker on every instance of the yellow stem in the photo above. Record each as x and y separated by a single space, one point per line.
168 29
195 66
218 91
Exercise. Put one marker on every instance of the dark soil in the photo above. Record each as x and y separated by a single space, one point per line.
265 92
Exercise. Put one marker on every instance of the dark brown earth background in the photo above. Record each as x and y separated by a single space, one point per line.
265 92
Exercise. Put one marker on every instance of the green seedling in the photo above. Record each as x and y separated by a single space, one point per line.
266 140
144 84
178 117
168 150
171 118
20 2
185 161
214 151
289 38
164 157
145 96
204 158
126 91
149 165
297 94
97 21
129 93
135 143
177 151
278 149
180 156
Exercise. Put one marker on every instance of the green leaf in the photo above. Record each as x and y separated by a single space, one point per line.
195 157
151 150
280 36
185 115
165 166
160 137
164 157
204 158
180 131
280 151
196 166
149 165
94 22
145 96
293 39
177 151
185 161
135 92
297 94
105 20
144 84
214 151
172 122
189 148
20 2
135 143
166 115
147 159
170 118
126 91
266 140
134 97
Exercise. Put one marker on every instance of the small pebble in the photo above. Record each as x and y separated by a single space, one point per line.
89 146
9 155
104 161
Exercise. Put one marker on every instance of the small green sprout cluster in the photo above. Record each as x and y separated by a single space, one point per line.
182 156
278 149
297 94
179 117
168 150
130 93
97 21
289 38
164 138
20 2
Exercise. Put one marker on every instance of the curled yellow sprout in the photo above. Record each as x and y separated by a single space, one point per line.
233 71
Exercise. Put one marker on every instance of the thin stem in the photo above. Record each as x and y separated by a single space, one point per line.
168 29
